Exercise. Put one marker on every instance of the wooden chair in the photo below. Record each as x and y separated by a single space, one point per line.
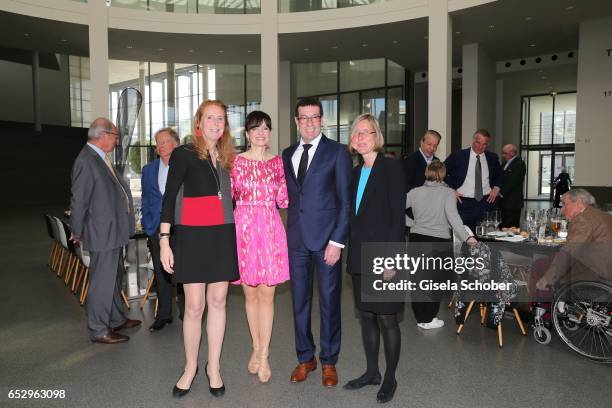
483 314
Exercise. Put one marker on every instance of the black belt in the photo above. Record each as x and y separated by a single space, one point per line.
484 197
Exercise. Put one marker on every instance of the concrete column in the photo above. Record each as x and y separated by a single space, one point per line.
98 57
36 91
594 104
440 59
170 94
270 66
478 94
285 106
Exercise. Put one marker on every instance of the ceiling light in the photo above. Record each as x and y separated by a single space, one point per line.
394 41
527 18
540 70
544 77
219 51
532 45
307 49
63 40
491 26
364 45
569 8
26 34
457 32
250 51
129 47
160 49
334 47
190 50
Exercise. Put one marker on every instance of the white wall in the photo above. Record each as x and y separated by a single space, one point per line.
16 85
594 104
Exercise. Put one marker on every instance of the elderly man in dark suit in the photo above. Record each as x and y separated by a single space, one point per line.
476 176
318 172
512 187
102 220
153 184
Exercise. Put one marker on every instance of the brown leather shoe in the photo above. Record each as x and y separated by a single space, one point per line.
301 371
110 338
330 376
128 324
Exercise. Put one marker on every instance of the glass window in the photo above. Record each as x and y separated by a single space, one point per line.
362 74
317 78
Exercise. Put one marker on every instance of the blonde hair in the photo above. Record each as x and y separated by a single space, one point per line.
225 146
380 140
435 171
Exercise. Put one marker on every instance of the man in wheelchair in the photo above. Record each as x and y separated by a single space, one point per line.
587 255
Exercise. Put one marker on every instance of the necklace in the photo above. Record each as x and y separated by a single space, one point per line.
217 180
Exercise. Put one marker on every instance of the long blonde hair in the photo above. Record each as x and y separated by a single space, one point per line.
225 146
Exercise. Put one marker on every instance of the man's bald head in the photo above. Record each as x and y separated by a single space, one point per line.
509 151
103 133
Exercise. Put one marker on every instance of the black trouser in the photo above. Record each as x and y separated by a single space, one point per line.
424 312
164 284
511 217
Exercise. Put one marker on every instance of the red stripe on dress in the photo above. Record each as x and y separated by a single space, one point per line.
202 211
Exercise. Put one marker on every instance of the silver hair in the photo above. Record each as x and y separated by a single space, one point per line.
99 128
172 134
580 194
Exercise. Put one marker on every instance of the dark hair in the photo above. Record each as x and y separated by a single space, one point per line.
256 118
483 132
308 102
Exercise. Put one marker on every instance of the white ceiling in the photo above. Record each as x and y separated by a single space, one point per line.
522 28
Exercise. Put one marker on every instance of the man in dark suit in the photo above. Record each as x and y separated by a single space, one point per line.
512 187
476 176
102 220
318 172
153 184
416 162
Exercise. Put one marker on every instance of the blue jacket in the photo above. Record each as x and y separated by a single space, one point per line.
151 198
319 210
457 167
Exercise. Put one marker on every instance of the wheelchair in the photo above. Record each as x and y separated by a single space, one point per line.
582 317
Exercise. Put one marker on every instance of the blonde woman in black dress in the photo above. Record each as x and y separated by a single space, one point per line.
201 253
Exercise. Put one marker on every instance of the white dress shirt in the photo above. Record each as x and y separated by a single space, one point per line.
468 186
297 155
428 160
295 161
508 162
162 176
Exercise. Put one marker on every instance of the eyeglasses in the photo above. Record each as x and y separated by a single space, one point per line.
112 133
363 133
314 119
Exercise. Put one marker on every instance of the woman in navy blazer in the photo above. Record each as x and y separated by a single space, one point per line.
378 197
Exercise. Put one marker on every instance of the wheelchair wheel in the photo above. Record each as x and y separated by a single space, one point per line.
582 314
542 335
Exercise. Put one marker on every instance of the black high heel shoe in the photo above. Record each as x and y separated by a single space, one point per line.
216 392
179 392
386 393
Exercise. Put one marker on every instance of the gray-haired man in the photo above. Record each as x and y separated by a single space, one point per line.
102 220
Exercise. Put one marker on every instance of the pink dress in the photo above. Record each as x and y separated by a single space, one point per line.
258 187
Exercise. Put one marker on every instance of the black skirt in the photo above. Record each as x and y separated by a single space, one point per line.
205 254
380 306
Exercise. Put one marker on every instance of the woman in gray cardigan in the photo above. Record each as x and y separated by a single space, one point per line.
434 208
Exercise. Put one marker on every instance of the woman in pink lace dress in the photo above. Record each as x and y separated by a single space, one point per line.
258 186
